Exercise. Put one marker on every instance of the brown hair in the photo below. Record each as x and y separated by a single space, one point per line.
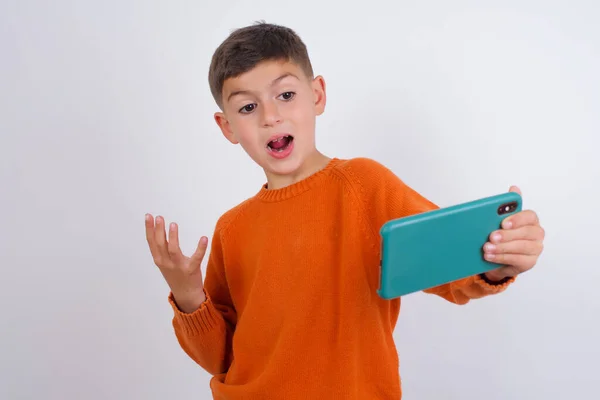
246 47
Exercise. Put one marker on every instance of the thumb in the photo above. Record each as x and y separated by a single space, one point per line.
200 251
515 189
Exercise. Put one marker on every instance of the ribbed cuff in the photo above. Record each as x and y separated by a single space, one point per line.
490 286
201 321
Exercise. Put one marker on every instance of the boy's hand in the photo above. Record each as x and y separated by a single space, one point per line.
183 274
517 246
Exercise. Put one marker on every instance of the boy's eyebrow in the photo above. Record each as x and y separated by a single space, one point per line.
275 81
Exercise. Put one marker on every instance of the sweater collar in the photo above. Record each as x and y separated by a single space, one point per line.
284 193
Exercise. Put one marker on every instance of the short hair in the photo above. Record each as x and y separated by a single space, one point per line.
246 47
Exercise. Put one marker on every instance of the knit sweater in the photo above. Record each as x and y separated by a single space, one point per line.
292 310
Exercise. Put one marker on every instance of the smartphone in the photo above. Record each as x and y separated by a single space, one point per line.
425 250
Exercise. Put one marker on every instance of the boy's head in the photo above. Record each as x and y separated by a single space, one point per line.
262 80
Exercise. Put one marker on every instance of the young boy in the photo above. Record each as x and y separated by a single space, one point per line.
289 308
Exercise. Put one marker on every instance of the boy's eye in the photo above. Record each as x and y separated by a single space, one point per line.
247 108
287 95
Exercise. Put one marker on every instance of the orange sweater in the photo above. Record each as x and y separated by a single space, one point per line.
292 310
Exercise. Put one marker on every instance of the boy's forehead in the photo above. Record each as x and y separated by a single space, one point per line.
262 76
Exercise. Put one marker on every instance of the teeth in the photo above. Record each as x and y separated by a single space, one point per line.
278 140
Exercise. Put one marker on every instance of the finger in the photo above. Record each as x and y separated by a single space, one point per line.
515 189
198 255
160 239
149 222
173 245
522 218
529 232
522 247
519 261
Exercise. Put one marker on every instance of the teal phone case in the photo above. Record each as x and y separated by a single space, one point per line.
436 247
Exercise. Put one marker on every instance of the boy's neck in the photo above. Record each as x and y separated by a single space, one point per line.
313 164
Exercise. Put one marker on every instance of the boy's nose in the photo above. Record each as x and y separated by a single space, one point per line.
270 114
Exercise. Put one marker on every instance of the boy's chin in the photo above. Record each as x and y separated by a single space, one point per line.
287 167
290 170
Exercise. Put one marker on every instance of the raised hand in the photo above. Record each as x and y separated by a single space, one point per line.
517 246
182 273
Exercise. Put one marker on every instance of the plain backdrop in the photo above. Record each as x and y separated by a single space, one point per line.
106 114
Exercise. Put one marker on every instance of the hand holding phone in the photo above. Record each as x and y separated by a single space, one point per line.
440 246
515 247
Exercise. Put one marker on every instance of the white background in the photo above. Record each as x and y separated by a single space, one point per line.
106 114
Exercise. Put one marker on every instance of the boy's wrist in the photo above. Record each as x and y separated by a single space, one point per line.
188 303
494 279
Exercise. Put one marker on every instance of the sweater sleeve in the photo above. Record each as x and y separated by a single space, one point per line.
387 197
206 334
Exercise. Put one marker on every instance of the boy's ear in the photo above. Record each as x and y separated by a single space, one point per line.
223 123
318 86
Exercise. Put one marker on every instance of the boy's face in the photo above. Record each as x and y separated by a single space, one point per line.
271 111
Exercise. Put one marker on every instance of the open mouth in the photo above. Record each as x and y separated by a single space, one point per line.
280 144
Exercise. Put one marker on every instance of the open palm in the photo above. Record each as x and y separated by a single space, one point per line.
182 273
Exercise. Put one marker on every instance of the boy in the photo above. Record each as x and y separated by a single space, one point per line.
289 309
